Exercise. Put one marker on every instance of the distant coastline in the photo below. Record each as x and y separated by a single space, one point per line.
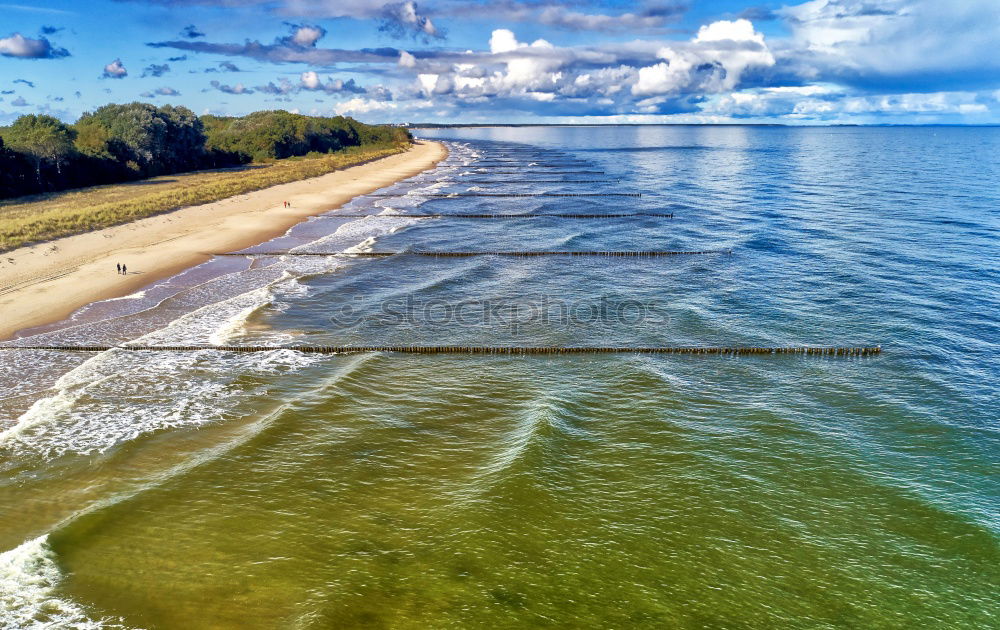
509 125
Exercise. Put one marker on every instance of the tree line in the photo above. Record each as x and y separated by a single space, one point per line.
118 143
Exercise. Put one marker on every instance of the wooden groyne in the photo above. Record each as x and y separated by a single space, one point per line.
459 181
505 216
830 351
486 194
529 172
527 164
651 254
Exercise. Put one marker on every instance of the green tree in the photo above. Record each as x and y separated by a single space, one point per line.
159 140
43 139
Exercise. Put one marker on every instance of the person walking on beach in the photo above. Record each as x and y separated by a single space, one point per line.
119 269
124 270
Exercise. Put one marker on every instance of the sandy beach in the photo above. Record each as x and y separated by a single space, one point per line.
47 282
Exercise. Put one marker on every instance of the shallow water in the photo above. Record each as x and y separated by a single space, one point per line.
209 490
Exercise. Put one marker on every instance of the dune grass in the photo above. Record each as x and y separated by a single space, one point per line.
38 218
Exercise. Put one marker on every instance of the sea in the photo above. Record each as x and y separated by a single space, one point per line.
201 488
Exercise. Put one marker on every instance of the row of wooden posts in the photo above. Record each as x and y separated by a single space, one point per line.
841 351
636 254
482 194
533 215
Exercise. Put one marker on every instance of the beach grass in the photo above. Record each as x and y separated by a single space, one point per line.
39 218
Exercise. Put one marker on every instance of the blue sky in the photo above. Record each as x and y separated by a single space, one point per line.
599 61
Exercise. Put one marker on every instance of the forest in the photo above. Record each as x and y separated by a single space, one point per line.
118 143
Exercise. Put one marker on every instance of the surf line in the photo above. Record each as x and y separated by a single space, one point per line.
651 254
843 351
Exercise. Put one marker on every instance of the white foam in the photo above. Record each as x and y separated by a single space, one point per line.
29 578
138 295
363 246
119 395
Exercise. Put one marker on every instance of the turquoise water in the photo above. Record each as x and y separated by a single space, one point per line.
206 490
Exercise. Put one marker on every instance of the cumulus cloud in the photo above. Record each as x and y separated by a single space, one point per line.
720 53
239 88
19 102
155 70
303 36
17 45
227 66
25 82
406 60
115 70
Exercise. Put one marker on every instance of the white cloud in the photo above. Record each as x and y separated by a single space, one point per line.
714 61
406 60
17 45
307 36
427 83
359 105
503 40
310 80
115 70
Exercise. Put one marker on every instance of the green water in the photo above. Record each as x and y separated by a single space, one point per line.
393 497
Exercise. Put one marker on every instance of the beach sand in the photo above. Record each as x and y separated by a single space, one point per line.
47 282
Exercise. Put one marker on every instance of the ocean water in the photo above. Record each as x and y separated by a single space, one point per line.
279 490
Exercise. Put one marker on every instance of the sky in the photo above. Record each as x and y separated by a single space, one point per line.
541 61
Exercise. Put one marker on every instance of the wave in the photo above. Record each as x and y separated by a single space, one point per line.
29 578
119 395
30 575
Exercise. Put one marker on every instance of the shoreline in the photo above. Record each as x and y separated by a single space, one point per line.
46 283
